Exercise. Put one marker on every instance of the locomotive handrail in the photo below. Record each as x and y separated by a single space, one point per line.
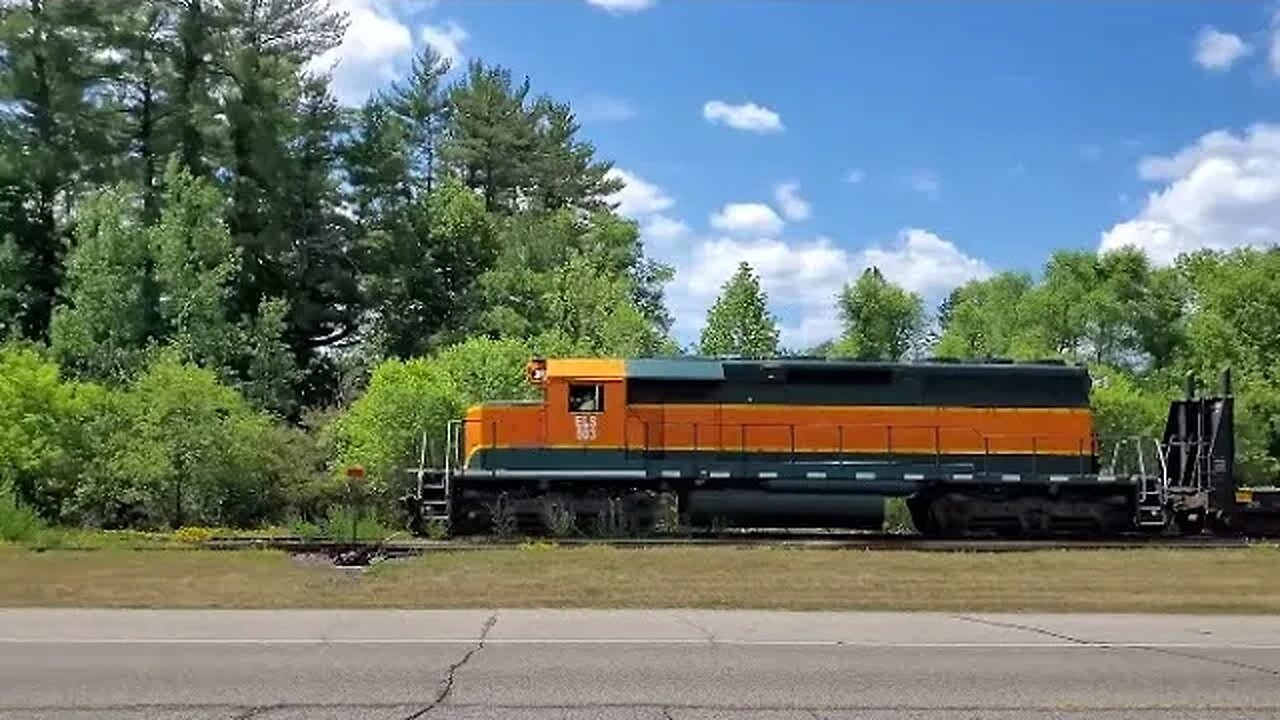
982 446
742 430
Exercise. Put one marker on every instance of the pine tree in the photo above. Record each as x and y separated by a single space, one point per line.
142 33
491 138
195 55
739 323
56 139
564 170
423 109
319 264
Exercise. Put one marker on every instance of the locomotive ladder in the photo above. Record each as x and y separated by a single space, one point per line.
1151 484
1153 488
434 491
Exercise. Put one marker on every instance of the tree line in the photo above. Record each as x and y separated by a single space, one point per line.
219 286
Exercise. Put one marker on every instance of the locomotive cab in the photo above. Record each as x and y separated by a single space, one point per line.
582 407
585 403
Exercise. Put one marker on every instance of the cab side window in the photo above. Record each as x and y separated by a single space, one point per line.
586 398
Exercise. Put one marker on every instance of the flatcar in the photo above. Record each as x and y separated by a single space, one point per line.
972 448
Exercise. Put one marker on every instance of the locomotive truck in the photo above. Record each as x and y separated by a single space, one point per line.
991 448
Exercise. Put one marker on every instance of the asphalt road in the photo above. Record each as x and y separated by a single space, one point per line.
588 665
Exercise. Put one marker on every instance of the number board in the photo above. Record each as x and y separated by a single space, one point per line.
586 426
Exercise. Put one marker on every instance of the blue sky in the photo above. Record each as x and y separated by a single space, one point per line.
940 141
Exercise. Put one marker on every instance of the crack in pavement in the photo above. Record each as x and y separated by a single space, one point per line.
711 637
1027 628
1104 645
455 667
255 711
1220 661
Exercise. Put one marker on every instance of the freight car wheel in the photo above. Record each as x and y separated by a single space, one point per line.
948 518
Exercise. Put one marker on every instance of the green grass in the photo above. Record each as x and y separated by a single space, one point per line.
543 575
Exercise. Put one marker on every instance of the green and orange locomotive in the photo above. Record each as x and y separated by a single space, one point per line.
998 447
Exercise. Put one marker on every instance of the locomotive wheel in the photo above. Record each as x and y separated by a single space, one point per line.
1191 522
918 507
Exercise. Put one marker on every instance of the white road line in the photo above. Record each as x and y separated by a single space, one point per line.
1086 645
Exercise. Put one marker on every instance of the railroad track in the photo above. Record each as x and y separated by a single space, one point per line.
403 547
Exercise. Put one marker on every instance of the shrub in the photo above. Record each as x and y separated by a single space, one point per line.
18 523
178 447
43 446
300 457
407 399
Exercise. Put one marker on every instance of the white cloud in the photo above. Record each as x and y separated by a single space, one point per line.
747 116
367 57
1221 192
793 206
604 109
925 182
924 263
1217 50
747 218
855 176
637 197
803 277
662 230
447 39
622 7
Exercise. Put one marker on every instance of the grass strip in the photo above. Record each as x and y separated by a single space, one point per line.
1144 580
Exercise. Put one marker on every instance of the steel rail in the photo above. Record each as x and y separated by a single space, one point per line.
817 541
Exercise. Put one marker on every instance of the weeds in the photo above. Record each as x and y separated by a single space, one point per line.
558 517
306 530
897 518
346 523
193 535
612 521
437 529
668 519
503 517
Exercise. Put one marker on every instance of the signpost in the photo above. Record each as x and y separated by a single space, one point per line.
355 486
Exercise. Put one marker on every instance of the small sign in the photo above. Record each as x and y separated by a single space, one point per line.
355 472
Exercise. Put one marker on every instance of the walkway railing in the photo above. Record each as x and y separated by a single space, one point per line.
797 442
